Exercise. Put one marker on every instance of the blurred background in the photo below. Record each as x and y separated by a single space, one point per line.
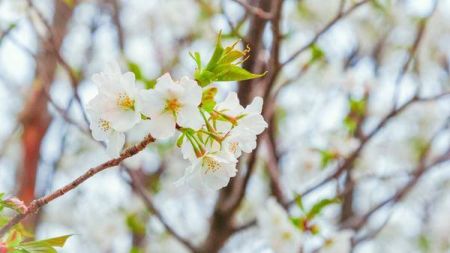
356 96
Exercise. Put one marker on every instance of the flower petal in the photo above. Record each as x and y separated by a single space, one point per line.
168 88
189 116
254 123
150 103
122 120
255 107
162 126
128 82
115 144
230 106
99 133
192 92
215 180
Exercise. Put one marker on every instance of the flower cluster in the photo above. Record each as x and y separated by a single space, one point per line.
211 135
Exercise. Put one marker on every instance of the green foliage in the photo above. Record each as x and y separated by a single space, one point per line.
326 157
357 110
305 221
208 99
382 6
316 53
134 67
136 224
17 239
18 245
424 243
317 208
223 65
419 146
299 202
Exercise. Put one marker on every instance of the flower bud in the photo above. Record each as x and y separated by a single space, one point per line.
3 248
16 204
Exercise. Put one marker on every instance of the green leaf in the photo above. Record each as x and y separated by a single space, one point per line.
235 73
150 84
316 53
208 99
297 221
46 244
218 53
326 158
134 67
357 106
223 65
424 243
135 224
351 124
197 59
319 206
299 202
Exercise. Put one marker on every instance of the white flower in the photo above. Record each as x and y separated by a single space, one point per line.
248 123
115 101
171 103
212 171
339 243
277 229
102 131
238 141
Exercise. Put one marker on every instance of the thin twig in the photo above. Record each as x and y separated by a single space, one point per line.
35 205
142 192
327 27
254 10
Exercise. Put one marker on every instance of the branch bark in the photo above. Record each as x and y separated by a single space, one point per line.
35 117
35 205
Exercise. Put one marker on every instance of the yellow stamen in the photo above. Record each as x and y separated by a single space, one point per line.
173 105
125 102
104 125
233 147
210 164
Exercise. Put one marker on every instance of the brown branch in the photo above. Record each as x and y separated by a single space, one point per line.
142 192
54 45
260 13
411 55
358 222
35 117
364 140
337 18
35 205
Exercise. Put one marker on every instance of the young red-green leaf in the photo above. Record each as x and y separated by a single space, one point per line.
43 246
14 204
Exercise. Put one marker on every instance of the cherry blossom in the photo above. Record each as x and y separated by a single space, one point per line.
171 103
116 99
212 171
277 229
102 130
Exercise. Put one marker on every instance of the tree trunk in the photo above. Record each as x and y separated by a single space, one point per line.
35 117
